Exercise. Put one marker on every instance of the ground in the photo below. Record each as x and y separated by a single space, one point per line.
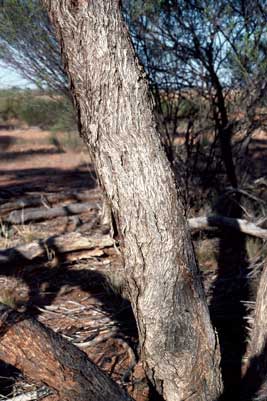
69 295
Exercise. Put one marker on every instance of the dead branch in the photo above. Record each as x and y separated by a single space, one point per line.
55 245
48 199
51 360
45 213
244 226
75 242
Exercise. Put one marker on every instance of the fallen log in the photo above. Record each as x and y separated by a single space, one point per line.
49 359
48 199
74 242
55 245
244 226
37 214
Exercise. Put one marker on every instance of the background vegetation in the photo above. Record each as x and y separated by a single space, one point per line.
35 108
206 62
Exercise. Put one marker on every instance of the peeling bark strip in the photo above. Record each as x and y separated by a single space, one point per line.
48 358
178 344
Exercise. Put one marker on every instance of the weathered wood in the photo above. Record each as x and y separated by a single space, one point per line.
31 395
178 344
47 358
244 226
37 214
48 199
74 242
55 245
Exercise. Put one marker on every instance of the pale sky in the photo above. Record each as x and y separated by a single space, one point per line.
9 78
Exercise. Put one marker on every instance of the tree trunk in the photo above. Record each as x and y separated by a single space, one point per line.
48 358
254 384
178 345
223 127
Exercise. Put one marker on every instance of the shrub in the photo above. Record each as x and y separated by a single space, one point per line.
55 115
8 105
38 109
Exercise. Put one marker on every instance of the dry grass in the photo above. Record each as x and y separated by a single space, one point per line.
7 297
26 233
66 140
207 252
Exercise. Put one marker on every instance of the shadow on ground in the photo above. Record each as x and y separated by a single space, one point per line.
35 180
230 291
92 282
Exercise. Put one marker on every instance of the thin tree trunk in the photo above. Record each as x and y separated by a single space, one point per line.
254 384
224 130
178 344
48 358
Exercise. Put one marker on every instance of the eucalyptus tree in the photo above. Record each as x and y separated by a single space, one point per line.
179 348
183 45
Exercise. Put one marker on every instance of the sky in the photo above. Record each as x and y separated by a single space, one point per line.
9 78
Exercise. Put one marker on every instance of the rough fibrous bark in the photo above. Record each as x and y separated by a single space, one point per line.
48 358
254 386
178 344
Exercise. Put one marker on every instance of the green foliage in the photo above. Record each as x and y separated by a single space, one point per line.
28 44
250 60
188 108
46 113
8 105
66 140
140 8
